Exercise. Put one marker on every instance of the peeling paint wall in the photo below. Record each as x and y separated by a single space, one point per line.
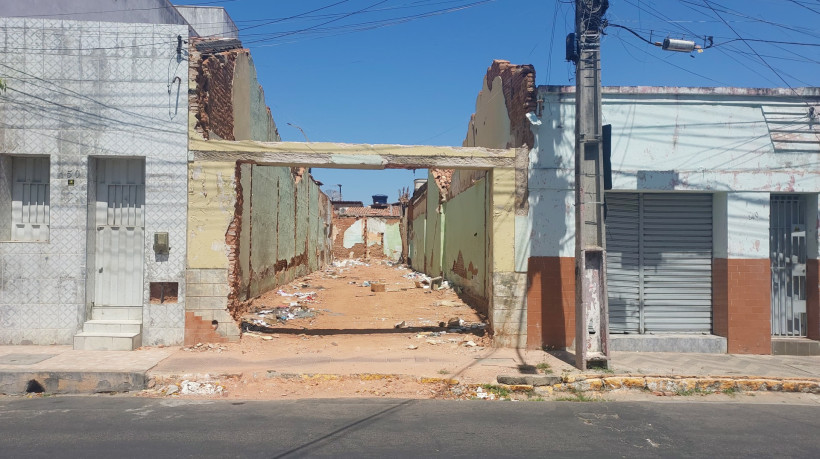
465 248
211 201
435 229
227 102
449 237
279 243
417 229
251 227
501 119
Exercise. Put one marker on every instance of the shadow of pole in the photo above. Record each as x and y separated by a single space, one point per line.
304 448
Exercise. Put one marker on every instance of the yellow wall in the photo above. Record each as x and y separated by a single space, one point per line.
490 126
211 200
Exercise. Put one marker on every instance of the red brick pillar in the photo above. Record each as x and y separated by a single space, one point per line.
551 302
741 296
813 299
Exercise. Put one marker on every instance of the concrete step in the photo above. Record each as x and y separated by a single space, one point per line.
113 326
795 346
116 313
99 341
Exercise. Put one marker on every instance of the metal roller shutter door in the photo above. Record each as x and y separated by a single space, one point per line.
622 262
671 270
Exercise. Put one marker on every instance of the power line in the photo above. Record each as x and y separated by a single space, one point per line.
804 6
706 2
552 40
727 10
776 42
369 25
355 27
666 19
668 62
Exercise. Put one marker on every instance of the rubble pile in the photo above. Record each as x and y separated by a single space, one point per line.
349 263
205 347
187 387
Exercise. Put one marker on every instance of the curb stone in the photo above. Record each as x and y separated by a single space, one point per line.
71 382
529 380
689 384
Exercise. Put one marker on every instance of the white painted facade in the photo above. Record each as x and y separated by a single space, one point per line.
78 92
739 145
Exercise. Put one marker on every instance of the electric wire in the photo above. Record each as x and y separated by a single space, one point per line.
707 3
355 27
657 14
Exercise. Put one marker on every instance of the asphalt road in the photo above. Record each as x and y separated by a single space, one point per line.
110 426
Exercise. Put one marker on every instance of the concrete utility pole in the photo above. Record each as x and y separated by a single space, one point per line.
591 310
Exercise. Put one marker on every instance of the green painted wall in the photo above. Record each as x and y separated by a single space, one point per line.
282 235
453 243
417 237
435 224
465 252
392 240
262 208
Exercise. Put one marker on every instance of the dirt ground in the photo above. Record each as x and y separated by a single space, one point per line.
338 321
343 306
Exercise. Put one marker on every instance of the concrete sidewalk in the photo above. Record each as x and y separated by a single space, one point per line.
60 369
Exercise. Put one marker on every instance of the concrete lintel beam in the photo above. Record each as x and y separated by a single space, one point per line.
351 156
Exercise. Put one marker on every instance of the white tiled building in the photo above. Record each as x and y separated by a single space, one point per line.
93 165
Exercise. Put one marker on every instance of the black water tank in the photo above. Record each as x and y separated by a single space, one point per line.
379 199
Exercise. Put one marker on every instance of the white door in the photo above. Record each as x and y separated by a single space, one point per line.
120 225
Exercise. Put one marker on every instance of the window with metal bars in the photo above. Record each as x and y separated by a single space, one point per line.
24 198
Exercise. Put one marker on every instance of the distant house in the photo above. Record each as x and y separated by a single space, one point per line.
367 232
337 205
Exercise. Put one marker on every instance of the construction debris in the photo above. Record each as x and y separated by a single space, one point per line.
348 263
205 347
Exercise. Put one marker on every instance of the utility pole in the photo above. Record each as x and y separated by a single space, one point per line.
591 309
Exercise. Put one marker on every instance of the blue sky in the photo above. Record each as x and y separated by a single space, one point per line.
366 71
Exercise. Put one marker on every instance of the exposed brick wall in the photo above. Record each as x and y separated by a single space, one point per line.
741 295
813 299
519 96
214 81
551 302
375 251
720 297
235 304
199 330
340 225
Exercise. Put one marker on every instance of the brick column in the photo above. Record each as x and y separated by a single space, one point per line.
742 304
741 274
551 302
813 299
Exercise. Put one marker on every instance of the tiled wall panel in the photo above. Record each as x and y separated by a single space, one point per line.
84 89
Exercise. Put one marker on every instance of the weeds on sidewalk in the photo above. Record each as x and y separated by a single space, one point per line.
731 391
689 392
578 396
498 391
544 367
